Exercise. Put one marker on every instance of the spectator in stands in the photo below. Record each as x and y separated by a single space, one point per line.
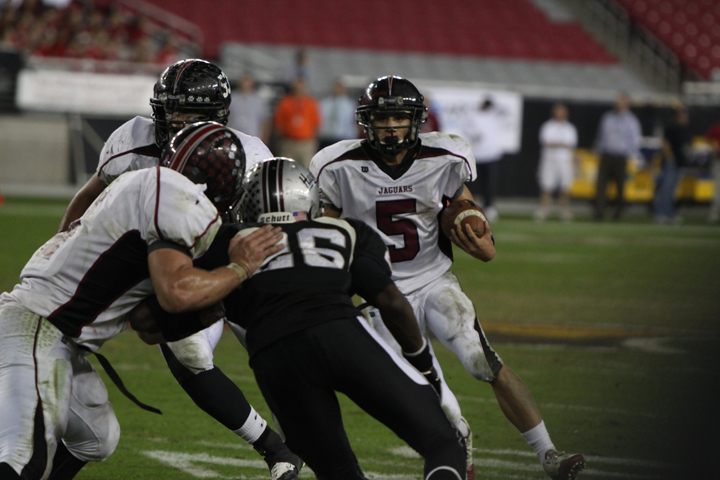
618 139
338 116
139 28
167 51
432 124
675 149
250 113
116 25
713 136
558 139
297 120
143 50
483 131
61 28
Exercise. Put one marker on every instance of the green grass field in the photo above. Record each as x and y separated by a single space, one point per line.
614 327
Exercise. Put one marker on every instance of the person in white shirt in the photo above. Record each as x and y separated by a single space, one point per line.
483 132
558 139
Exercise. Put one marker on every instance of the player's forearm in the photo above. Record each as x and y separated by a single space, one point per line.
398 317
81 201
75 210
194 288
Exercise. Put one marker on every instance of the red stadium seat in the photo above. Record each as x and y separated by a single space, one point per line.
690 28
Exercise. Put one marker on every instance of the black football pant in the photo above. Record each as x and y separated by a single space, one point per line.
488 175
298 377
612 167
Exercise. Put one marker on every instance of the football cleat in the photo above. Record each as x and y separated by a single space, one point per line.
283 464
470 475
284 471
563 466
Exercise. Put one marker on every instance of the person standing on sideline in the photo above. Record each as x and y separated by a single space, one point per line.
675 149
397 181
250 113
558 139
297 120
338 116
618 139
483 132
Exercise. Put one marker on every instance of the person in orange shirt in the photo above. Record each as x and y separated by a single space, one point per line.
297 119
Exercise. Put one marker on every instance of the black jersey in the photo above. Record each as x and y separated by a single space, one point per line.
311 281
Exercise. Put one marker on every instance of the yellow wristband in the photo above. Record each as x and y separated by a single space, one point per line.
239 271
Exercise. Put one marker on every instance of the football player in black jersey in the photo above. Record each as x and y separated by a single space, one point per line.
307 340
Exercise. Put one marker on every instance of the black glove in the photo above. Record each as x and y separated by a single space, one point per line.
424 363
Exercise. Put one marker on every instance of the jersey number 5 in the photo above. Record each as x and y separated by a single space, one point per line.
387 223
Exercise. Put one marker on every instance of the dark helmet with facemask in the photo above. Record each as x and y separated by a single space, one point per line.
194 87
388 95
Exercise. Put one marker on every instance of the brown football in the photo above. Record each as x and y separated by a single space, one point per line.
462 212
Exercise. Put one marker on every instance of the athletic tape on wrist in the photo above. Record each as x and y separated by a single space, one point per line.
239 270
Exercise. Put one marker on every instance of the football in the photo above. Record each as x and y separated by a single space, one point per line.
462 212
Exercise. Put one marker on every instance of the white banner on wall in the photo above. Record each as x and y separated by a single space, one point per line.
91 93
455 105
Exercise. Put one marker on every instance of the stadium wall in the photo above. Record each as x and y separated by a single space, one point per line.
34 150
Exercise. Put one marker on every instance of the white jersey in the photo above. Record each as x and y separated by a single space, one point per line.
554 132
483 129
402 206
84 280
132 147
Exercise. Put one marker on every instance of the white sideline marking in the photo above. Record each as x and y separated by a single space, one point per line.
183 461
651 345
243 445
188 463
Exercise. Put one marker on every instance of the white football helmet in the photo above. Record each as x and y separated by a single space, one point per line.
279 190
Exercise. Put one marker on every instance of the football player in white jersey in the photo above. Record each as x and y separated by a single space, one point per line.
138 238
186 92
398 181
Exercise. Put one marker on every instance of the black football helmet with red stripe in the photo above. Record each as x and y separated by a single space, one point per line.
209 153
193 87
279 190
391 94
